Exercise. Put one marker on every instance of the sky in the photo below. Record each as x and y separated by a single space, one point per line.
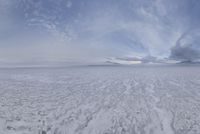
95 30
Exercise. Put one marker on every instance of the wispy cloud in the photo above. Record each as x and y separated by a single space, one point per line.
94 30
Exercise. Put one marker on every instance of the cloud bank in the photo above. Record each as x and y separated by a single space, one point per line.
187 47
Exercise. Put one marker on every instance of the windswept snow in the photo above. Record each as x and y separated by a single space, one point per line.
100 100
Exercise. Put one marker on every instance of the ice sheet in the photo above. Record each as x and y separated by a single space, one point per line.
100 100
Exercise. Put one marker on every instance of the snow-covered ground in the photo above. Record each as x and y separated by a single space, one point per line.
100 100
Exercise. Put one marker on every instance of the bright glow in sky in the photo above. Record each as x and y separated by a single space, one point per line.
93 30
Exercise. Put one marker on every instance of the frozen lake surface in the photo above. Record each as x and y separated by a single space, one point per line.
100 100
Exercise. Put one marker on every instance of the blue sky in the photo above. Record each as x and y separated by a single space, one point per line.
93 30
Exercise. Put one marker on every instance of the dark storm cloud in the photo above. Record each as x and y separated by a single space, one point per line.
187 47
184 53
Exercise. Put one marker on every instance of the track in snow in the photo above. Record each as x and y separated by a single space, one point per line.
100 100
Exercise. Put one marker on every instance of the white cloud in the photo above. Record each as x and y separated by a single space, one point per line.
96 30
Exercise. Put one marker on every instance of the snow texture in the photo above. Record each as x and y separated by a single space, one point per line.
100 100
